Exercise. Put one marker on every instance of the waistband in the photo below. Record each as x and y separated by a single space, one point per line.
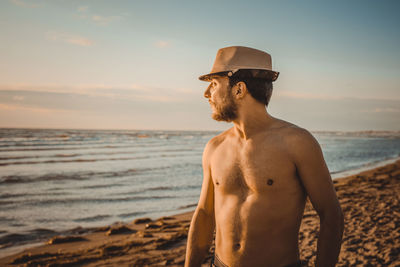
216 262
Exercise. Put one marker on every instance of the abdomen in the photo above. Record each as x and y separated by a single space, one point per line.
257 229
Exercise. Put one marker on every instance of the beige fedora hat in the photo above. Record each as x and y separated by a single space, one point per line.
234 58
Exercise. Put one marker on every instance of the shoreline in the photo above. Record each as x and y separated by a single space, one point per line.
368 198
364 167
7 251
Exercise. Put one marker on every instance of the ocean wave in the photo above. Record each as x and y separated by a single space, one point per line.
150 153
14 179
25 195
85 160
67 155
18 157
96 186
158 188
130 214
187 206
17 179
172 188
5 219
104 144
67 161
11 195
63 148
92 218
19 238
72 201
41 143
6 202
45 162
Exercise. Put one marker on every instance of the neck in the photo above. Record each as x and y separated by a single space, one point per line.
251 121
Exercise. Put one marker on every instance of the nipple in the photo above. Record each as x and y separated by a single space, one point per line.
270 182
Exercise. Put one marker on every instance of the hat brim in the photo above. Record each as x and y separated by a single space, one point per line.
265 74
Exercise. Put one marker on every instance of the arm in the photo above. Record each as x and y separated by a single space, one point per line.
315 177
202 225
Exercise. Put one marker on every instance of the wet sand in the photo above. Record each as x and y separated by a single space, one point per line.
370 202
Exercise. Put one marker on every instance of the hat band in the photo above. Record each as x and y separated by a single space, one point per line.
220 68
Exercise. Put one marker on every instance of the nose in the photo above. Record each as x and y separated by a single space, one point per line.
207 92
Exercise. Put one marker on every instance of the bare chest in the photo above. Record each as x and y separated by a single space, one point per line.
255 169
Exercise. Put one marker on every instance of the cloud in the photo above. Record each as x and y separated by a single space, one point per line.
18 97
69 38
305 95
83 9
162 44
95 18
25 4
14 107
383 110
104 20
86 105
132 92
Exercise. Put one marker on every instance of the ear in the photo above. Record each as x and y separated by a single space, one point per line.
240 90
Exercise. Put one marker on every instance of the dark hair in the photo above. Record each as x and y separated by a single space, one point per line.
258 82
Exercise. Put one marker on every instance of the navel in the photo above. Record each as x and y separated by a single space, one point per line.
237 246
270 182
217 183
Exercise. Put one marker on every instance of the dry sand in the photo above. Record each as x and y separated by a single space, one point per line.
370 202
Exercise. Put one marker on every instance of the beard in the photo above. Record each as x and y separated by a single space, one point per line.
226 110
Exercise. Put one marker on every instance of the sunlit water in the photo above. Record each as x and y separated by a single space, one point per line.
54 180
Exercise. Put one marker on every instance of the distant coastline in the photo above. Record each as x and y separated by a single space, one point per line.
395 133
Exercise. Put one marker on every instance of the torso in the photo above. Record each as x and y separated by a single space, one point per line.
259 200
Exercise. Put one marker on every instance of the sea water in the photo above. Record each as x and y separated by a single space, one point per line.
55 180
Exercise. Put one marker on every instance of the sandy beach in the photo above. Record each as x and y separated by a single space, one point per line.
370 202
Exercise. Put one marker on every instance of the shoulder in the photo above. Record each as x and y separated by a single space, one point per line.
296 139
214 143
297 136
300 143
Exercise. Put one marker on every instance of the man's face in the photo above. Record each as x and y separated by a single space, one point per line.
219 94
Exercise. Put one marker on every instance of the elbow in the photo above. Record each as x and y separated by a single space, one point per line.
201 230
206 211
203 216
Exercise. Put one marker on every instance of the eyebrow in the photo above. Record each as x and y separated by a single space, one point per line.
216 77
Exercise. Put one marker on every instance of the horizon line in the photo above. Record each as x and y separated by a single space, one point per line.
183 130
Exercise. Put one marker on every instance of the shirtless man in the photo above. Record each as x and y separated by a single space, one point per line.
258 174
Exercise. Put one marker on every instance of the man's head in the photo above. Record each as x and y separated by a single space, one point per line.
226 92
238 71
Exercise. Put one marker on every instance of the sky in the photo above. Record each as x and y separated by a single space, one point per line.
99 64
